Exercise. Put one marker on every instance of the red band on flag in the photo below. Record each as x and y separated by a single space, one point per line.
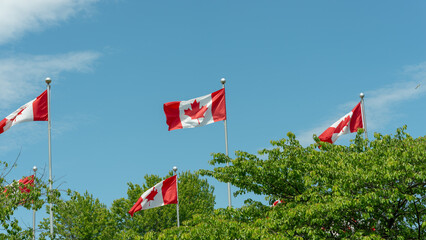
218 105
137 207
169 191
2 125
356 119
40 107
171 109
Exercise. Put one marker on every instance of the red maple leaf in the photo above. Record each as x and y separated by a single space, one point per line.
342 124
19 113
151 195
196 112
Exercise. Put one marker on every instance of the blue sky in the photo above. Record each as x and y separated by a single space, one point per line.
290 66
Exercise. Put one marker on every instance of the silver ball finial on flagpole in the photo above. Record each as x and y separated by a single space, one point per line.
48 80
223 80
175 168
35 168
361 95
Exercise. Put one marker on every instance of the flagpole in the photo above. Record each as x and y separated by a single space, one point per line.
177 196
48 81
34 211
364 121
223 81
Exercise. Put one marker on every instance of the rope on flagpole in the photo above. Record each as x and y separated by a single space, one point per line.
177 196
223 81
48 81
364 121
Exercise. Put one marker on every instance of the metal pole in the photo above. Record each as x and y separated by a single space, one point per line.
48 81
364 121
177 196
34 211
223 81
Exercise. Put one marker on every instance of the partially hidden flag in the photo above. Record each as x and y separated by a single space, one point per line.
27 181
349 123
163 193
277 202
196 112
35 110
23 183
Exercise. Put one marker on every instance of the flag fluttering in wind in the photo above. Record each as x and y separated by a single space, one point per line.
349 123
196 112
35 110
163 193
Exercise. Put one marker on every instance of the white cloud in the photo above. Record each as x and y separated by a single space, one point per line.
20 16
380 107
379 103
418 72
20 77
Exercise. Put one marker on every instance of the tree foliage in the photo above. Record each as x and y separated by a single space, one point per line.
195 197
234 223
368 190
85 217
365 190
12 197
80 217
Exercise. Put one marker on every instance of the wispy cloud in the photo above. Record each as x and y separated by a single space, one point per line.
379 103
24 135
418 72
380 107
27 134
20 76
20 16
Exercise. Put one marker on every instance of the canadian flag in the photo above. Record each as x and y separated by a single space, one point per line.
163 193
27 181
35 110
196 112
348 123
277 202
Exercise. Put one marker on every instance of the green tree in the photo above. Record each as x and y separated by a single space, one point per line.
195 197
80 217
367 190
12 196
239 223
